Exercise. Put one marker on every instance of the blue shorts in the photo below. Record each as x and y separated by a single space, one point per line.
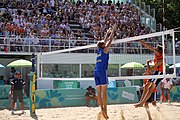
100 77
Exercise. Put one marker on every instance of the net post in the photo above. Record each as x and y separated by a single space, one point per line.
80 66
38 67
32 87
174 53
163 45
119 69
40 62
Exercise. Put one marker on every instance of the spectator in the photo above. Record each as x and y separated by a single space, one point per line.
13 72
90 95
16 89
176 81
165 86
43 18
7 14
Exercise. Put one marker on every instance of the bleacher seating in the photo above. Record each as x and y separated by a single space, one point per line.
63 20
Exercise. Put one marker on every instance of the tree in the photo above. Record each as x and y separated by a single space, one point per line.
171 10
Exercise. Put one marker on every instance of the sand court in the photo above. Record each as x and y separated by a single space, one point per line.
115 112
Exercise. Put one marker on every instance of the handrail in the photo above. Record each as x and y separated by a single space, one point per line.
147 15
28 45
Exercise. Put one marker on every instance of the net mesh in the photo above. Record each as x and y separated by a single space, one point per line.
127 59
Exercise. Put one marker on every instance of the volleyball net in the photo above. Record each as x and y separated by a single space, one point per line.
127 59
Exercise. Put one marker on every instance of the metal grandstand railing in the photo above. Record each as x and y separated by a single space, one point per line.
147 14
28 45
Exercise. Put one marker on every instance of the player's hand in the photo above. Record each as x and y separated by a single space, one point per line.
109 31
149 61
141 41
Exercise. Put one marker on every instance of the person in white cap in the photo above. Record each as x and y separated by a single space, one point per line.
166 85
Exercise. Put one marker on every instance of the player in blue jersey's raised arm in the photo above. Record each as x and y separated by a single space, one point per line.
100 75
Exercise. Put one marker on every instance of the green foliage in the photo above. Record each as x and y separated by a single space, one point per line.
172 11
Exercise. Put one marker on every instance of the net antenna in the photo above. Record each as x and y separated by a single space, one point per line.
51 58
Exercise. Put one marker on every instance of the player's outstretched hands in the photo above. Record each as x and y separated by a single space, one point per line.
109 31
149 61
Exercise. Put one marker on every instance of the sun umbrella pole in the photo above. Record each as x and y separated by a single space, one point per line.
133 75
21 72
33 62
41 65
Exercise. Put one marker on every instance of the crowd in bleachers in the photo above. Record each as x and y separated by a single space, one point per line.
99 17
40 18
49 19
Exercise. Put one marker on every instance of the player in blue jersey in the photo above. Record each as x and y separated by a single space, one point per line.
101 66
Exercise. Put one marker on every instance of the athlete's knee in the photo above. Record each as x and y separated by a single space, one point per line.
146 105
148 85
152 85
104 91
99 93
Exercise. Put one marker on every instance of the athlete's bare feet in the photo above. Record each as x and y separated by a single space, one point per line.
105 115
138 105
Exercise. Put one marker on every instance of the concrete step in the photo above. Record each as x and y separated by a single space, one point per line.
75 29
76 25
72 22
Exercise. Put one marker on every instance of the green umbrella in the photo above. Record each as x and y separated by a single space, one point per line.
177 65
133 65
20 63
2 66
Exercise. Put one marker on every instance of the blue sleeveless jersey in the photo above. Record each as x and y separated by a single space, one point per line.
101 60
